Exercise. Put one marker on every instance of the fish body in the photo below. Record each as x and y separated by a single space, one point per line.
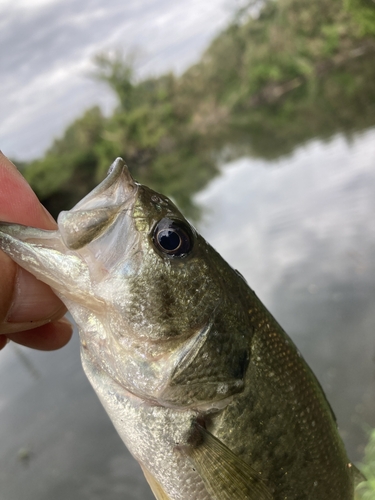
205 388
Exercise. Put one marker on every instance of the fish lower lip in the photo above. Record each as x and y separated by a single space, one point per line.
117 168
116 165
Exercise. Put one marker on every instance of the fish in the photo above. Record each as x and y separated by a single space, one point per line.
204 387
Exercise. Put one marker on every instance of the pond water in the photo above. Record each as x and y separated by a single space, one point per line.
302 232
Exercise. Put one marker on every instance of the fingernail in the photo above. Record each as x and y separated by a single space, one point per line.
64 328
48 215
33 300
65 323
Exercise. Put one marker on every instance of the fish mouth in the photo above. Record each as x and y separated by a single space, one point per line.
51 255
117 186
96 212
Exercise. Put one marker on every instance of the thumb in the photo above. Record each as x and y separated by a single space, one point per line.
25 302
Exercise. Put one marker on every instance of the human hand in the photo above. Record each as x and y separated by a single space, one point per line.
30 313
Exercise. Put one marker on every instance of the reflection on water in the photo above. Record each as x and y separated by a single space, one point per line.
302 232
56 440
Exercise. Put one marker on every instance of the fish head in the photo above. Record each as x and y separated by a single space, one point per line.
149 294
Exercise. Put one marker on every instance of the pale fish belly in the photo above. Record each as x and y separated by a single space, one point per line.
152 434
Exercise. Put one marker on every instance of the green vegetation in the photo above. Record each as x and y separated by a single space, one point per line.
269 82
366 489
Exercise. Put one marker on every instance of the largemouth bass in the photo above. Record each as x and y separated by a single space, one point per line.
205 388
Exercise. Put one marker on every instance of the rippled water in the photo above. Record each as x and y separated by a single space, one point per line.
302 232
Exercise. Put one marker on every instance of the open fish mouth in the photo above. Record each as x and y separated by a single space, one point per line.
60 257
96 212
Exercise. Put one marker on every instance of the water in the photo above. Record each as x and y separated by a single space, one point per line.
302 232
56 439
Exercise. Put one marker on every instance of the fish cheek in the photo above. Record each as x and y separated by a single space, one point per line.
170 299
215 368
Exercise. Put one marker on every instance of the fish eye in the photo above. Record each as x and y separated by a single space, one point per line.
172 238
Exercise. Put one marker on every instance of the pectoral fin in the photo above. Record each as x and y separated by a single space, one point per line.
157 490
226 476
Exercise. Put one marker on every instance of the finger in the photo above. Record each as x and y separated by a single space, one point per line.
18 202
25 302
48 337
3 341
32 304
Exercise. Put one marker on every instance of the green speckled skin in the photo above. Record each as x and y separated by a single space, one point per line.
172 345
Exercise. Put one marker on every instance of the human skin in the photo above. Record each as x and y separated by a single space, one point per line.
30 313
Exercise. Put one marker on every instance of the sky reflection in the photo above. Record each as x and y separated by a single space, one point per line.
302 232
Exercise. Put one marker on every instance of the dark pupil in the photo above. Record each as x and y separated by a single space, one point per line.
169 240
172 238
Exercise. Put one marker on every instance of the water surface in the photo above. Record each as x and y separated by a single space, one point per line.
302 232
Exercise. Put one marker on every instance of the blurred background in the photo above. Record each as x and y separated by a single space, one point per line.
258 119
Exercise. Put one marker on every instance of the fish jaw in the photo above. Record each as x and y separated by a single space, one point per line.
67 258
95 213
42 252
86 260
